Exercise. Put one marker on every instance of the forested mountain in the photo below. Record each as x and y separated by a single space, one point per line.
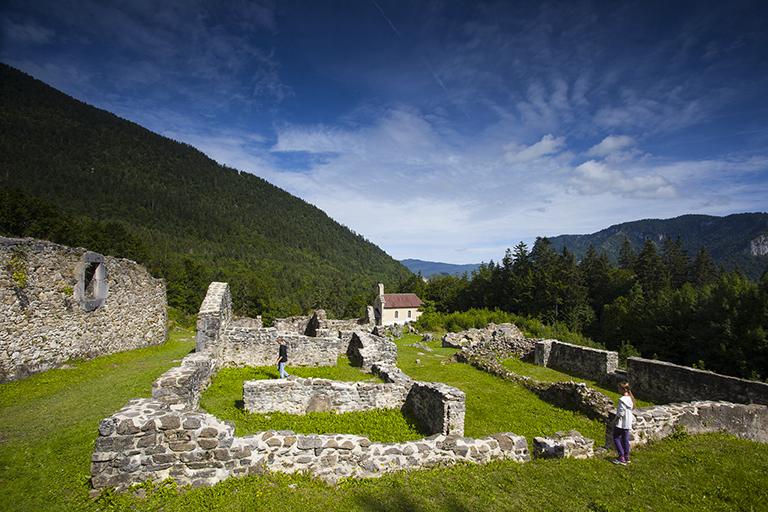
79 175
431 268
729 240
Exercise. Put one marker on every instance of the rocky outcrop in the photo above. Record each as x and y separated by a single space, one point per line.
758 246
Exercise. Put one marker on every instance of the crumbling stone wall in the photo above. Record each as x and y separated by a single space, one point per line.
245 346
292 324
181 386
365 350
505 339
564 445
214 316
574 396
748 421
60 303
146 440
300 396
436 407
585 362
660 382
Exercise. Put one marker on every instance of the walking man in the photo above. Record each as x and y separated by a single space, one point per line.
282 358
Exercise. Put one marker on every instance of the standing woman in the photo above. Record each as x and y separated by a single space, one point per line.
623 424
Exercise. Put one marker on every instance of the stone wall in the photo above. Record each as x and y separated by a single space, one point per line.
660 382
214 316
365 350
245 346
61 303
300 396
660 421
181 386
585 362
147 440
564 445
436 408
292 324
574 396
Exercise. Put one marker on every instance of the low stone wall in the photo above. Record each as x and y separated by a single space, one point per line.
243 346
436 407
147 440
300 396
574 396
564 445
365 350
585 362
660 421
660 381
61 303
214 316
390 373
181 386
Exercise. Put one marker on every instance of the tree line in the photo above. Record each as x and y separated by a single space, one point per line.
659 302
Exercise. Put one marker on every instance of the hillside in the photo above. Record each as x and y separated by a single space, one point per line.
728 239
431 268
83 176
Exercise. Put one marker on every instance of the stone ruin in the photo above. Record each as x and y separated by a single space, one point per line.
60 303
504 340
168 436
713 403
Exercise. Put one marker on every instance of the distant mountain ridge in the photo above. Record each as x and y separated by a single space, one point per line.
65 164
738 240
431 268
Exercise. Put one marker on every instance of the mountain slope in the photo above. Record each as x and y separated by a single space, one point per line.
431 268
733 241
197 219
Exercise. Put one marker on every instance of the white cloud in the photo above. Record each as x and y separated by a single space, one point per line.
611 144
593 177
548 145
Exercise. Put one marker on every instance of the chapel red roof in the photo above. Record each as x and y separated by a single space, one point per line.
401 300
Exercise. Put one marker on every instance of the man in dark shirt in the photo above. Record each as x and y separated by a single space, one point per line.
282 358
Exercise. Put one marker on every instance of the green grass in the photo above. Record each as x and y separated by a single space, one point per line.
49 421
223 398
493 405
711 472
48 425
544 374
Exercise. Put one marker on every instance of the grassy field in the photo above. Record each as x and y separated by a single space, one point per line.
48 425
544 374
224 399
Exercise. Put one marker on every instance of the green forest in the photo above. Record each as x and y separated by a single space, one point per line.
658 302
81 176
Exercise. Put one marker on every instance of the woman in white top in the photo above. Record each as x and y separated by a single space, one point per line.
623 423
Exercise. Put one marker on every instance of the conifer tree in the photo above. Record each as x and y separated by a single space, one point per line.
703 270
626 254
676 261
649 270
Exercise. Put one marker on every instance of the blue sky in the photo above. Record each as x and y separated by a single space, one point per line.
440 130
